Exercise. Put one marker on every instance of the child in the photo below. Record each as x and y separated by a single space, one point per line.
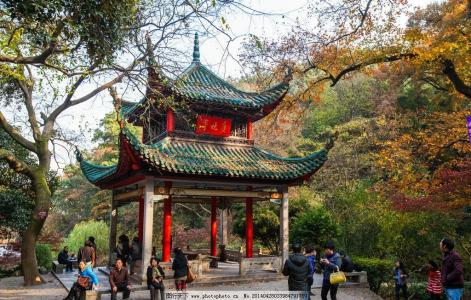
311 258
400 275
434 284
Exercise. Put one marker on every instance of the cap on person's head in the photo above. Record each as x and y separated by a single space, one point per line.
329 245
91 239
296 247
449 244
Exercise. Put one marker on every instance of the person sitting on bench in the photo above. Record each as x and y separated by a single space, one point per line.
63 259
119 281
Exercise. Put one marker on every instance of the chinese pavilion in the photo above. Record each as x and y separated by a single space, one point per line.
199 152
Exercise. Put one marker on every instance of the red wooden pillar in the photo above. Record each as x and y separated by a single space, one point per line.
170 120
214 226
249 129
167 227
140 228
248 227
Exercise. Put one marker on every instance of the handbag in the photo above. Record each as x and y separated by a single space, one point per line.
191 276
83 281
337 277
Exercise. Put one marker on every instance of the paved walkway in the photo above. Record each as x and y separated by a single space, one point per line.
11 288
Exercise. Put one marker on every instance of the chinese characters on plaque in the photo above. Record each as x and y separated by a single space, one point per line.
213 125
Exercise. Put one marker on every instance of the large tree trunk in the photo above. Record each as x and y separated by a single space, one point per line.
29 264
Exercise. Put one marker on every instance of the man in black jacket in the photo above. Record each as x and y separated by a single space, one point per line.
63 259
297 268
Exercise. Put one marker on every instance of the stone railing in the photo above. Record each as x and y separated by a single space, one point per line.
268 263
197 266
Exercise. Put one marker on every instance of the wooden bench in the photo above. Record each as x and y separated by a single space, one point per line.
57 267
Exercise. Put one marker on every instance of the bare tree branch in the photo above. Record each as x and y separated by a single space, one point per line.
16 135
450 71
16 164
43 56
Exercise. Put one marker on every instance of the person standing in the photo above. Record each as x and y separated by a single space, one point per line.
434 284
122 249
400 277
180 268
86 281
452 270
87 254
93 245
136 254
331 262
311 258
296 267
155 279
119 281
63 259
347 263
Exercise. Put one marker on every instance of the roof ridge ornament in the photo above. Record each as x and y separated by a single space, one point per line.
78 154
196 49
288 75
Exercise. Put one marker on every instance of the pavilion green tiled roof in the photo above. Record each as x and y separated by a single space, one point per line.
205 158
94 172
128 107
198 84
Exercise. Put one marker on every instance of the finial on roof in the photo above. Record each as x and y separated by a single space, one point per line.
78 154
288 75
196 49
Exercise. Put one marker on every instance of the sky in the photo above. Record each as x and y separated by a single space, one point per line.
281 14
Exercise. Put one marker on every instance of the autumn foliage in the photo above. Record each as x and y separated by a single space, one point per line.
429 168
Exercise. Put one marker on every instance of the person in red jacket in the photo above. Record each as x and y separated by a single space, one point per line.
452 271
434 284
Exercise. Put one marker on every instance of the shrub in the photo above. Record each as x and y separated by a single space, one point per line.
82 231
379 270
313 227
44 255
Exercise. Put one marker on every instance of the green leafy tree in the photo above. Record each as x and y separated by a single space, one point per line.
80 233
16 199
55 55
266 225
313 227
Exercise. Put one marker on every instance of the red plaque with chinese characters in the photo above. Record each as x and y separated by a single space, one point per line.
213 125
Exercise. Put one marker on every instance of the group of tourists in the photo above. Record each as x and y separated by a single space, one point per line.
448 281
119 277
300 269
87 254
129 252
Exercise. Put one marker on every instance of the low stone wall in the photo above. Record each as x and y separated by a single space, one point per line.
359 278
266 262
197 266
